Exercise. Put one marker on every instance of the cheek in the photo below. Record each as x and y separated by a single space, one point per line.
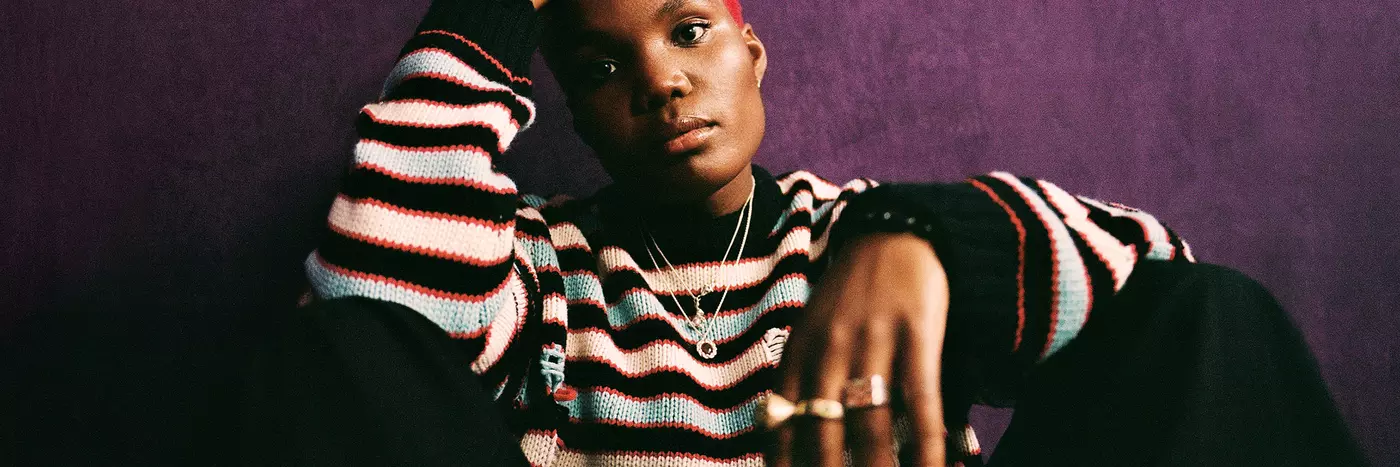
601 123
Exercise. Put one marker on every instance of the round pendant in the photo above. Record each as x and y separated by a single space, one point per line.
707 349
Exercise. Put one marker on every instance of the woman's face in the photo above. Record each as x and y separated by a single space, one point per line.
666 91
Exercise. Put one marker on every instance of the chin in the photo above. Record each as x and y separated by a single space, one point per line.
696 178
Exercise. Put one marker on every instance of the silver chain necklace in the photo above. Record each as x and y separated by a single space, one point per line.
699 323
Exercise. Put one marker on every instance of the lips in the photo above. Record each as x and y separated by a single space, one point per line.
686 134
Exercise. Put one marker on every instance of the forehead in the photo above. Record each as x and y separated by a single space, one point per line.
612 15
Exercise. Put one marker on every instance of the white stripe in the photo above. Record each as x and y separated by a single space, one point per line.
571 458
1072 303
418 113
506 325
823 189
1159 245
441 165
453 316
556 310
566 235
594 405
694 277
725 325
1117 256
539 447
463 239
819 246
663 356
529 213
442 62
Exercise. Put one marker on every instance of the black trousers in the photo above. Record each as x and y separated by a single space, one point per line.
1189 365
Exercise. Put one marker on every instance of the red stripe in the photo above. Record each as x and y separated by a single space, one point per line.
488 56
1020 261
666 424
444 76
428 149
415 249
468 298
660 456
493 226
673 395
376 118
452 181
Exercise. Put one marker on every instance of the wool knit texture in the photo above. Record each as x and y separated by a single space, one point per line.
575 331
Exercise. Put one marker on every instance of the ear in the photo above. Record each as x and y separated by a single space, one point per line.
757 51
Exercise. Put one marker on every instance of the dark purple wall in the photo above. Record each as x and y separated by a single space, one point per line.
169 163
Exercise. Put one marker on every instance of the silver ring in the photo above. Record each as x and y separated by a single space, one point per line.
867 392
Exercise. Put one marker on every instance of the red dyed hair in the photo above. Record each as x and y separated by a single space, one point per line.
735 10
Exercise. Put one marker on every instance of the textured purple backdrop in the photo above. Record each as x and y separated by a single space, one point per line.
169 164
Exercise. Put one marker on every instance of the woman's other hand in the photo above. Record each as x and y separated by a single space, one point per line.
881 309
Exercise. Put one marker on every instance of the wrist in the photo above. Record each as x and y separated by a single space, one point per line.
893 248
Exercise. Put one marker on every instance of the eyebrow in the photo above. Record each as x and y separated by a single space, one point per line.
670 7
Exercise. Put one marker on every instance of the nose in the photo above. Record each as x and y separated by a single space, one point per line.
661 79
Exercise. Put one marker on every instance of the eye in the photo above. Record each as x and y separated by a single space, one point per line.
691 33
600 70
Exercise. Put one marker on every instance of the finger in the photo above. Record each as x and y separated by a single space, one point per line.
919 383
870 431
790 369
822 441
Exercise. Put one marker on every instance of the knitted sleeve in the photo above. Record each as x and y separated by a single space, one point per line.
1026 262
424 220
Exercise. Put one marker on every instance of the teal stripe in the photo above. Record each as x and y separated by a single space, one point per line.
1073 284
818 212
583 286
595 406
637 306
541 253
450 315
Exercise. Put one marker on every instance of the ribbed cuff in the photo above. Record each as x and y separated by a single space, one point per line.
978 246
508 30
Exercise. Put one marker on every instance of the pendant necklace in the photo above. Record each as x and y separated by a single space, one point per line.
699 323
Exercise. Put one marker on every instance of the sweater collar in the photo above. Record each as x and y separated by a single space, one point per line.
689 237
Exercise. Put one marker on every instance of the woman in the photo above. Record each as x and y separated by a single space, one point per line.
701 311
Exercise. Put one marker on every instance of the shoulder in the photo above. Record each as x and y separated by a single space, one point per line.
821 189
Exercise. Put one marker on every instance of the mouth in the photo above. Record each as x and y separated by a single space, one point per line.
686 134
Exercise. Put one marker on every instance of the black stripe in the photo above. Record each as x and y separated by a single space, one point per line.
531 227
468 54
446 92
819 228
624 280
1038 272
576 260
588 374
478 136
644 332
433 273
603 437
1100 276
1125 229
454 200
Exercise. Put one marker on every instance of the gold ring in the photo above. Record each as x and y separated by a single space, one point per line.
773 411
863 393
820 408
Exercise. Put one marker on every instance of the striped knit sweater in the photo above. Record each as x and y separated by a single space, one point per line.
571 325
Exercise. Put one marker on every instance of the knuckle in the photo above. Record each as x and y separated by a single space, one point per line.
839 337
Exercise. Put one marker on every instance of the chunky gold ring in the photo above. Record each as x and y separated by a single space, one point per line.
864 393
820 408
773 411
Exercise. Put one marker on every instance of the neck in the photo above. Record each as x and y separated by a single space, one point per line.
732 196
